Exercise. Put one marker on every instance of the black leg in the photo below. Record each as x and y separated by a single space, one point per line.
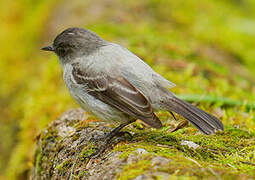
173 115
108 137
116 131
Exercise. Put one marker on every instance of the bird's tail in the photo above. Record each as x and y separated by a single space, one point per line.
202 120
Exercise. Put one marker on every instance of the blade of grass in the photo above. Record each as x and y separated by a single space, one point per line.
216 99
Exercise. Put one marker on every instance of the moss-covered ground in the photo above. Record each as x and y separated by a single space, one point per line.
205 47
227 155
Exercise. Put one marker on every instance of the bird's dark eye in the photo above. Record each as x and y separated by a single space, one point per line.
61 51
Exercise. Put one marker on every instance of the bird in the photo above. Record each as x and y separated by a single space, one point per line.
113 84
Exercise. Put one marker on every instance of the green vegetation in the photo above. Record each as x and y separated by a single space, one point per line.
205 47
229 152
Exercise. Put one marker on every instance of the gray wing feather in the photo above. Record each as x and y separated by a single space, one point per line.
117 92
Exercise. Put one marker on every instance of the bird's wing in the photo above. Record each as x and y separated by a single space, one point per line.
117 92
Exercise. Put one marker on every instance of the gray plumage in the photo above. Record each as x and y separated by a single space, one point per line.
115 85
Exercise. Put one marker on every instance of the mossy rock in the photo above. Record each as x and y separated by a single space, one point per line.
64 147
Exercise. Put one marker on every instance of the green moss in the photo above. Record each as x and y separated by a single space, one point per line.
133 170
239 134
50 135
87 151
65 165
82 174
226 150
75 136
38 161
47 146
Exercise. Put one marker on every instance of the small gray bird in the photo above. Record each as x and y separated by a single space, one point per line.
112 83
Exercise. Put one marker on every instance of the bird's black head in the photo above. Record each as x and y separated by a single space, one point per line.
74 42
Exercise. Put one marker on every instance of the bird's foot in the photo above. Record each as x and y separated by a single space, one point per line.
107 140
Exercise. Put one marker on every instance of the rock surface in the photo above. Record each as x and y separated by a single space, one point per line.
63 148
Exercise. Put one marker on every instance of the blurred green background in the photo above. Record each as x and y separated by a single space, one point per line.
206 47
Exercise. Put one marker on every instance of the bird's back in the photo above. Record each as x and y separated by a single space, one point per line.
120 61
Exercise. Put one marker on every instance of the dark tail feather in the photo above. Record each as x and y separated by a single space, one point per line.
202 120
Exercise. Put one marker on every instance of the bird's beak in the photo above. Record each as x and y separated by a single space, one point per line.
48 48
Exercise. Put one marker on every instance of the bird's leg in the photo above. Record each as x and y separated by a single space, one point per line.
116 131
108 137
173 115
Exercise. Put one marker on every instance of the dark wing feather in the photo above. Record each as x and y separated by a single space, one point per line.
119 93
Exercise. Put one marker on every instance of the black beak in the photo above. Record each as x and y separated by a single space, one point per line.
48 48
